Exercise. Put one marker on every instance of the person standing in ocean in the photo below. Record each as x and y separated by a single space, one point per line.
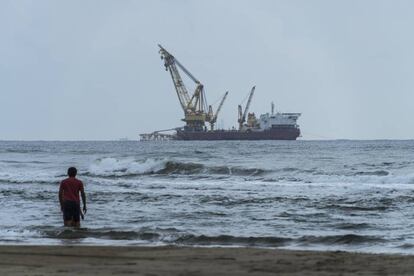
69 199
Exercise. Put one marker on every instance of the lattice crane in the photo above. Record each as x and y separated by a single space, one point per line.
213 116
194 106
242 115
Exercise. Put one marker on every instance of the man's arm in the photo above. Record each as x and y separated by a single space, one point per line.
61 197
83 200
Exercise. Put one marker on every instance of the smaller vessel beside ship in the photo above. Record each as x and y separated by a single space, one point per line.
269 126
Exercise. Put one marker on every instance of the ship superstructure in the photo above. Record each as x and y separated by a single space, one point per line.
278 120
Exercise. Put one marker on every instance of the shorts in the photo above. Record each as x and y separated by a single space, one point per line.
71 211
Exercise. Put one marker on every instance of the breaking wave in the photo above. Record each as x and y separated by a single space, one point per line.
173 236
116 167
232 240
113 167
349 239
129 167
376 177
109 234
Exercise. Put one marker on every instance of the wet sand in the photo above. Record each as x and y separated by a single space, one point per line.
151 261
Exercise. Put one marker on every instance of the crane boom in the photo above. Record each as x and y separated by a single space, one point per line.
220 105
194 105
170 65
213 119
248 102
242 117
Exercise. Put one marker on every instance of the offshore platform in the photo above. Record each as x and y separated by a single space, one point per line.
274 126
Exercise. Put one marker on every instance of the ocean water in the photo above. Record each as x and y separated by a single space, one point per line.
323 195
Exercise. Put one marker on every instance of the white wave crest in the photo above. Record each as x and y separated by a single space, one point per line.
30 177
364 179
121 167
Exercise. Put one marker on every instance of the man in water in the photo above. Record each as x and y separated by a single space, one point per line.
69 199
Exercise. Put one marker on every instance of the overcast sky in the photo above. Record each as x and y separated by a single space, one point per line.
91 69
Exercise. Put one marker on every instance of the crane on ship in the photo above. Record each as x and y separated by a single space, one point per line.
196 112
212 115
242 115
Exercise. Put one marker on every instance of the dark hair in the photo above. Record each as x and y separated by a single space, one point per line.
72 171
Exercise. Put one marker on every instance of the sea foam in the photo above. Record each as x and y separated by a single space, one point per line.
121 167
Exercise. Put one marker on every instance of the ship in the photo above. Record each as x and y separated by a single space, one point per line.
273 126
269 126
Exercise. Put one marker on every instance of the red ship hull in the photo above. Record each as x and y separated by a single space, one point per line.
271 134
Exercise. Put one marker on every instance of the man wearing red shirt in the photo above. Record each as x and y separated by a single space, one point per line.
69 199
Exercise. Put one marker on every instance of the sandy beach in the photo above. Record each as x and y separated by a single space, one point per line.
105 260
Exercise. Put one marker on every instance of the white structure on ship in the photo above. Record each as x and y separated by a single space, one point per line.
271 121
278 120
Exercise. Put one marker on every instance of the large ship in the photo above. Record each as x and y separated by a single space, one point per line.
278 126
269 126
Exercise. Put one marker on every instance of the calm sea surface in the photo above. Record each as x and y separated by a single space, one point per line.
325 195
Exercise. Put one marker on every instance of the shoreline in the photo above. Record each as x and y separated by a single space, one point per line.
171 260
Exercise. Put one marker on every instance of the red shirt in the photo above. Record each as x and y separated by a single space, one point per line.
71 188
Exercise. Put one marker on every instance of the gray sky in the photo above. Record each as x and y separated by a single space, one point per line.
91 69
